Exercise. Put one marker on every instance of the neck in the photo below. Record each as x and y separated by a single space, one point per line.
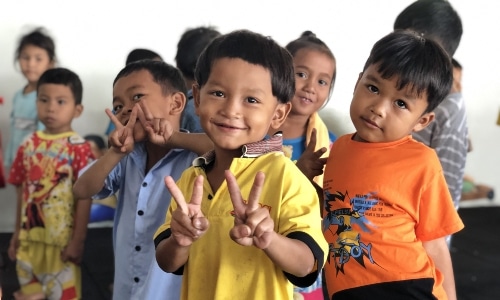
30 87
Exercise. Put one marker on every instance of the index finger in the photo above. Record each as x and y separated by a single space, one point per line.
235 194
133 118
312 140
113 118
253 198
176 194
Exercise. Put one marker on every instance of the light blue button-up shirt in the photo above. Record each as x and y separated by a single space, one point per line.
143 201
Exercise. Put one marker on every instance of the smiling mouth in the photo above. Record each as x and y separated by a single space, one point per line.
305 99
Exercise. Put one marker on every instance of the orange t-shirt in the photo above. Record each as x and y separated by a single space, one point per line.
382 200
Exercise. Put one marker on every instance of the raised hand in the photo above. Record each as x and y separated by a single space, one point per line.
310 162
188 222
159 130
252 223
122 138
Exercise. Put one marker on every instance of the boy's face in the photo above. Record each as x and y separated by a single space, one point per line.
56 107
313 79
34 61
140 86
236 105
381 113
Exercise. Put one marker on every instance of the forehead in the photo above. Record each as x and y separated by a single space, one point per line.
55 90
237 73
136 79
314 58
30 49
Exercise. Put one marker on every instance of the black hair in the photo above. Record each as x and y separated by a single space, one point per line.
167 76
37 38
308 40
65 77
420 63
140 54
433 18
255 49
97 139
456 64
190 46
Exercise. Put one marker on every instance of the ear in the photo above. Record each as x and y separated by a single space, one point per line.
196 97
424 120
177 104
78 110
280 114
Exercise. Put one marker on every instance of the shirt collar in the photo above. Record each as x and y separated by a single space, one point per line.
252 150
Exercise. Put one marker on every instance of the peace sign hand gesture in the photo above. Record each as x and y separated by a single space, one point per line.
310 162
159 130
252 223
188 222
121 140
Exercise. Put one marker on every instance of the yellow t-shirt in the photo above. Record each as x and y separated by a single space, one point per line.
219 268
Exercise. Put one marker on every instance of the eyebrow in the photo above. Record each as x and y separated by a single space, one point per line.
134 87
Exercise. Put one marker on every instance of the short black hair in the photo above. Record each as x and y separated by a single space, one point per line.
38 38
309 40
433 18
190 46
97 139
255 49
167 76
65 77
140 54
420 63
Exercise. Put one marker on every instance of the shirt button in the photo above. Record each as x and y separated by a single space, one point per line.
137 248
140 213
144 184
136 279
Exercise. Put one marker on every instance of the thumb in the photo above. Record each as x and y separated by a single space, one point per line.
240 231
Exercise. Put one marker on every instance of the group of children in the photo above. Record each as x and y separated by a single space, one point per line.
267 203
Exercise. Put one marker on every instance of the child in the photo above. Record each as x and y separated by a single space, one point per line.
448 134
50 226
387 207
189 48
232 244
315 70
135 166
35 54
133 56
101 209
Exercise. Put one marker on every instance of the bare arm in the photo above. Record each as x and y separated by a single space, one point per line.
438 250
92 180
303 262
170 256
198 143
14 241
74 251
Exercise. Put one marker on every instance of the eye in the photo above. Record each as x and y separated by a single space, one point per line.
43 100
372 89
218 94
400 104
251 100
137 97
61 102
301 74
323 82
117 108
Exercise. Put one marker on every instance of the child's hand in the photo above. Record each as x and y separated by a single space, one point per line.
122 138
13 246
73 252
310 162
188 222
159 130
252 223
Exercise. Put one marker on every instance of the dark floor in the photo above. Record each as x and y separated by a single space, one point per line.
475 253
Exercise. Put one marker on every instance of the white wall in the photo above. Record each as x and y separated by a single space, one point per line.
93 39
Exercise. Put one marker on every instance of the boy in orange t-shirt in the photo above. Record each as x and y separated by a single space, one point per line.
385 214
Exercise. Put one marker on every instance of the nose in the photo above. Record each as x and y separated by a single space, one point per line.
378 108
231 109
309 85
